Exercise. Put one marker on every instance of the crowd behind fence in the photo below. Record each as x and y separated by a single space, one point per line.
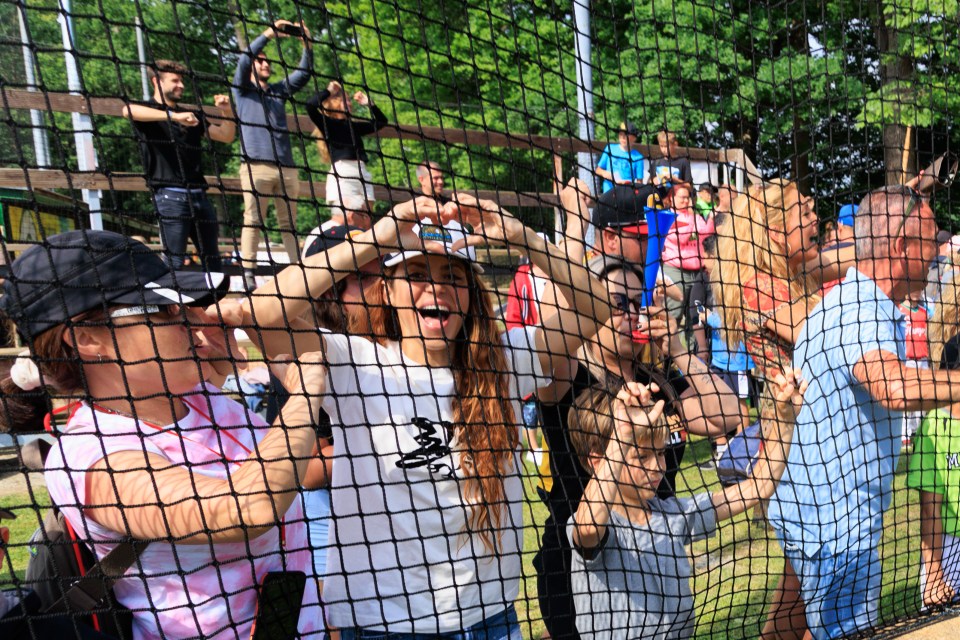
702 407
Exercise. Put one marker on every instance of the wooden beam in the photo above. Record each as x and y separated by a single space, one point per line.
230 186
69 103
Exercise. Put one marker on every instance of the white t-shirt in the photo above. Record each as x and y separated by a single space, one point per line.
400 559
193 590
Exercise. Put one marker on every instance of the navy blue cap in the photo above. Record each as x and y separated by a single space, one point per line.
79 271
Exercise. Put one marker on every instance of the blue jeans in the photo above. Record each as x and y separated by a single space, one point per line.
503 626
841 592
184 215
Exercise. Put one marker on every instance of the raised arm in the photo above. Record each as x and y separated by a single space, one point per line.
299 78
633 413
777 435
241 79
157 499
272 313
832 263
313 107
562 332
222 128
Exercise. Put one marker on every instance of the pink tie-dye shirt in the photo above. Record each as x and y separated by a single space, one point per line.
184 590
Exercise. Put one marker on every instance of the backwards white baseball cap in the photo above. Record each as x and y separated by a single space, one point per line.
439 240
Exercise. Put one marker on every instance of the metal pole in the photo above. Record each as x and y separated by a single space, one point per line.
82 124
581 15
40 143
141 52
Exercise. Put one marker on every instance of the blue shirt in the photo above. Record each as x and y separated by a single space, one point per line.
721 356
262 113
624 165
839 475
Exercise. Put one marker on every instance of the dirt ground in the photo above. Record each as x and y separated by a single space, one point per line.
946 630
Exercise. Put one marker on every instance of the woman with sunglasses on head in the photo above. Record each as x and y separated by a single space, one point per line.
764 294
425 407
148 450
636 344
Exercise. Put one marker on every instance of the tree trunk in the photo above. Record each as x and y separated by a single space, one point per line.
899 153
238 29
800 160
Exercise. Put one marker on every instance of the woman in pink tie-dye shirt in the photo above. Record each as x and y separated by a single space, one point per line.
149 451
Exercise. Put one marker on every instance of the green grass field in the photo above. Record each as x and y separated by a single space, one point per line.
735 571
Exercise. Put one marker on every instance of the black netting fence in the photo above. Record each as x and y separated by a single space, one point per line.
461 320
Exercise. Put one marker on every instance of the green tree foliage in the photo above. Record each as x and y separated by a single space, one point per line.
809 88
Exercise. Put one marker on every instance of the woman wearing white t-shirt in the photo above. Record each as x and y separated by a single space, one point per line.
148 450
425 405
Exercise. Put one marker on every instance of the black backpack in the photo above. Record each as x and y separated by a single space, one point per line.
66 575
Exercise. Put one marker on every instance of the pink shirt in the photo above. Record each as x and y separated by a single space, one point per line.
185 590
683 246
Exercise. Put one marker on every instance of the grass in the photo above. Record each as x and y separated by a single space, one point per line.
734 572
28 519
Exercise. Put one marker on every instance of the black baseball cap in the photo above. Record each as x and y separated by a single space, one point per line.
75 272
628 128
330 238
625 207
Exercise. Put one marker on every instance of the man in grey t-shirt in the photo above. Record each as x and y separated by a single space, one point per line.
267 168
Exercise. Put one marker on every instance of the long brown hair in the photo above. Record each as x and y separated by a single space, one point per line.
485 426
60 372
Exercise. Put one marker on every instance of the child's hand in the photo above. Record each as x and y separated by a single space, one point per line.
635 411
788 389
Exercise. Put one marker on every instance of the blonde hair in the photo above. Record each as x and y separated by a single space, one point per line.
322 147
591 424
484 422
943 324
745 250
666 137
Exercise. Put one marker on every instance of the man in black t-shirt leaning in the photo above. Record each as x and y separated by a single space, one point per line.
171 141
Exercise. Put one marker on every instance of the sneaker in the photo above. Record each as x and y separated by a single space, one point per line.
721 449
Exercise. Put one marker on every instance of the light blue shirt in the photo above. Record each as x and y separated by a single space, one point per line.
839 475
721 356
624 165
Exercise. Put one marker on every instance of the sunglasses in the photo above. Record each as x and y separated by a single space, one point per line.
622 304
915 199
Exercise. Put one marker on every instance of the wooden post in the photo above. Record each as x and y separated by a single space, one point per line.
905 155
